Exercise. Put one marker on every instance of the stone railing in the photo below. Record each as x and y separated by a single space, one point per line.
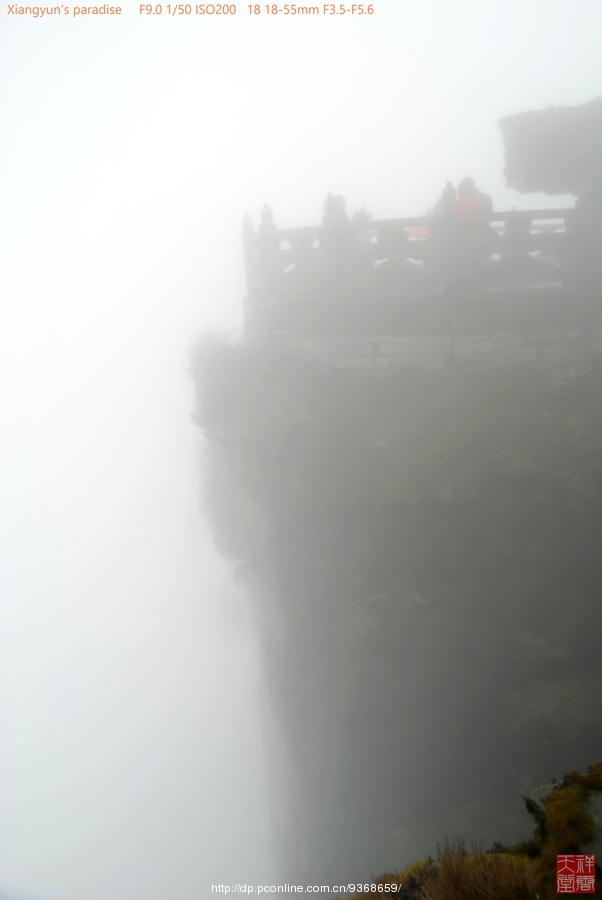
399 276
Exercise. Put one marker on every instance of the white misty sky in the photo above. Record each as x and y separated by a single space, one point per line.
130 695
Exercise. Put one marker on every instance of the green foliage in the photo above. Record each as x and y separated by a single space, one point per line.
592 780
461 875
407 882
477 875
567 826
523 872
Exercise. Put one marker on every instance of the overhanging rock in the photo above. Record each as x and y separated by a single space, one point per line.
557 150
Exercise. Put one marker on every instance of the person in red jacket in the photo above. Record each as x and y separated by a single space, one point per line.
473 205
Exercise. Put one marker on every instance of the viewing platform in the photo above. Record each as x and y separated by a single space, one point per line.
384 292
396 277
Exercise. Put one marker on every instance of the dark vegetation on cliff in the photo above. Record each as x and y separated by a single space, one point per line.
526 871
422 552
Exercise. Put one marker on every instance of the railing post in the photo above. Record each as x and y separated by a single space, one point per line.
268 252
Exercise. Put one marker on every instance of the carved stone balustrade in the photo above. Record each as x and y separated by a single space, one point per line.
408 276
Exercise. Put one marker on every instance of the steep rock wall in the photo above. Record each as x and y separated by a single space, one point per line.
422 554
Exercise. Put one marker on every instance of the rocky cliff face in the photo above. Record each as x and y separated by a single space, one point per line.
555 150
422 553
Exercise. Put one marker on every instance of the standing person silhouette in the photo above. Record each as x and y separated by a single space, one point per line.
473 211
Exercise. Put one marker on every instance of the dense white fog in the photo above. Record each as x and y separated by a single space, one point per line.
133 719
